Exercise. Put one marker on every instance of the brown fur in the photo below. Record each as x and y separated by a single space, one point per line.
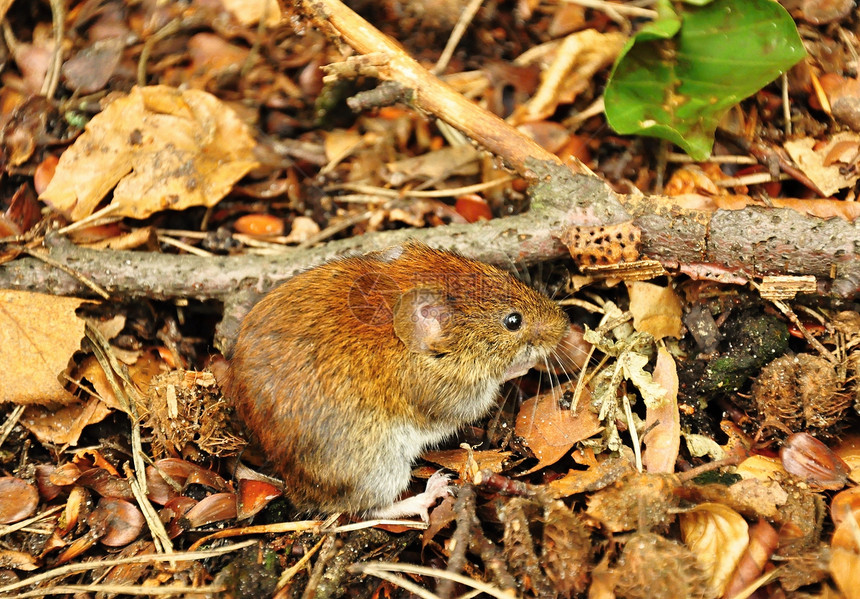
329 388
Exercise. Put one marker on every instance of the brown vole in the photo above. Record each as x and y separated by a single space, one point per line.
346 372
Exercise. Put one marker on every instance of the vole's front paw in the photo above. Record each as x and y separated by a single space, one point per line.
418 505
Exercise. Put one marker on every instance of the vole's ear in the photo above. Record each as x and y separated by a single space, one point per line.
421 317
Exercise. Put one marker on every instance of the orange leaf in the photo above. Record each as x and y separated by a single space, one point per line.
38 336
549 431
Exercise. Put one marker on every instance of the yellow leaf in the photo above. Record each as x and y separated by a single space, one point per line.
38 336
161 147
718 535
655 309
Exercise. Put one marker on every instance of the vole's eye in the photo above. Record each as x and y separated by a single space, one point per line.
513 321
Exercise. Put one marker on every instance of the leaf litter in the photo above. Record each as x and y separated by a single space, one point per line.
564 500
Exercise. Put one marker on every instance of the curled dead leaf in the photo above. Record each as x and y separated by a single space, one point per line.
718 536
662 421
18 499
214 508
253 496
812 461
118 521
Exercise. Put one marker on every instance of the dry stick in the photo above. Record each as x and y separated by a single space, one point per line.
58 19
373 568
465 510
429 93
137 559
10 528
121 589
11 421
326 554
44 257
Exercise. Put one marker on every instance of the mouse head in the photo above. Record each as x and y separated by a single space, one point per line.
470 315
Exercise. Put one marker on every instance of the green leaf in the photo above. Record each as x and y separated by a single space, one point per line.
681 73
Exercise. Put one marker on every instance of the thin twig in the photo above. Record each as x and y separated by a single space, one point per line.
46 258
456 35
616 7
288 574
121 589
58 20
709 467
431 193
725 159
751 179
465 510
137 559
404 584
174 26
789 313
184 246
11 421
277 528
156 526
372 568
327 552
10 528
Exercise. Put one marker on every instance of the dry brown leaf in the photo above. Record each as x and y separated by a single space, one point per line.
811 159
250 12
213 59
718 536
342 143
655 309
162 148
18 499
91 371
18 560
63 426
692 178
845 569
663 422
760 467
576 59
39 334
302 229
92 67
549 431
438 164
763 542
4 7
